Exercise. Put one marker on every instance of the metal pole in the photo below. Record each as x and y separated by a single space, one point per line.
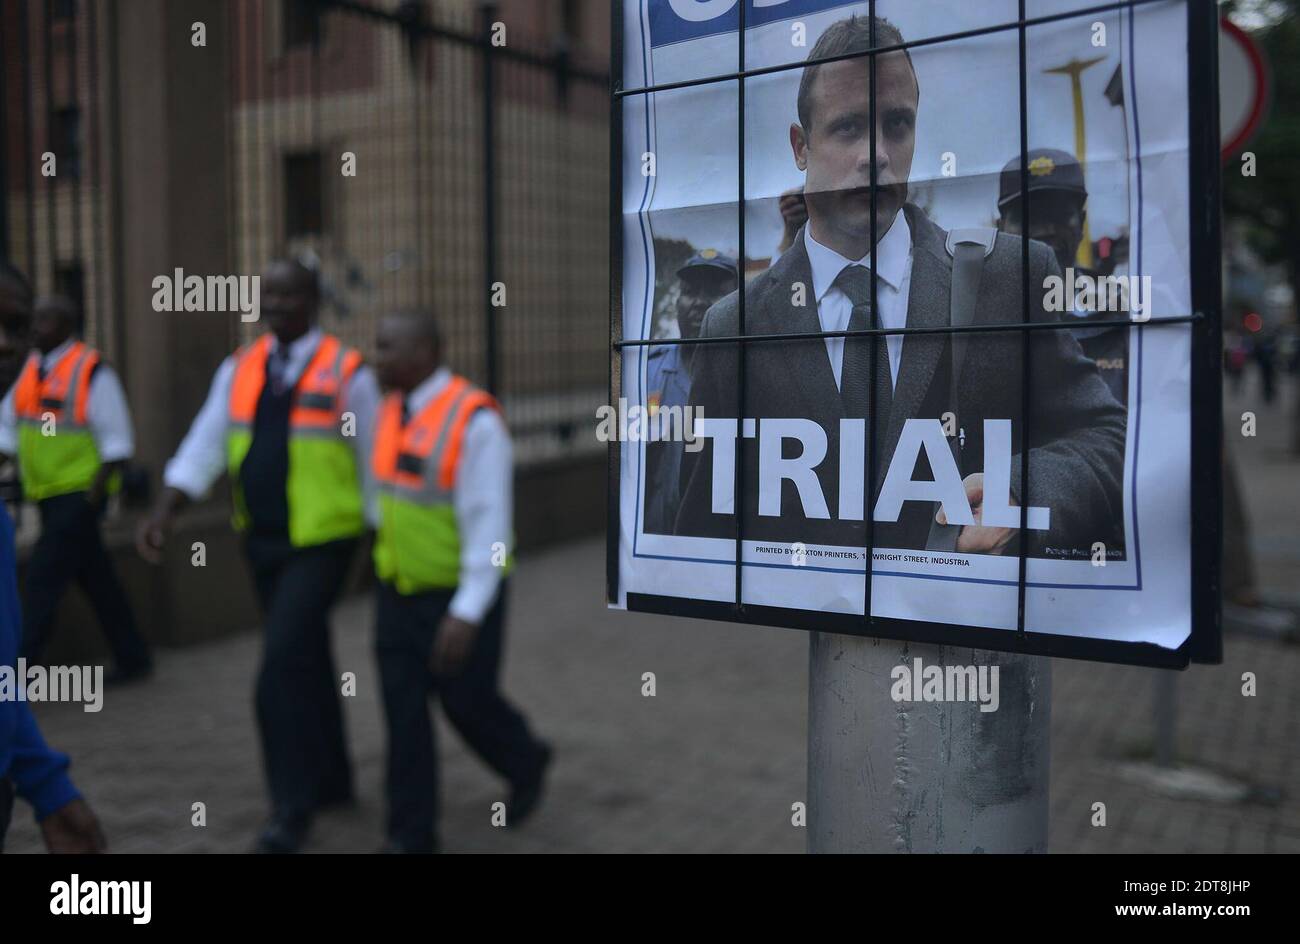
918 776
1166 717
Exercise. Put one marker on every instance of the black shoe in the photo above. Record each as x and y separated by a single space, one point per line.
525 797
282 836
125 675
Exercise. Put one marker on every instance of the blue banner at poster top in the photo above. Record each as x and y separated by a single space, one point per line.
675 21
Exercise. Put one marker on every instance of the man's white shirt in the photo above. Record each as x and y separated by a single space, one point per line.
834 308
482 500
107 413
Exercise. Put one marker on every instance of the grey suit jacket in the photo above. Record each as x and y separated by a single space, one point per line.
1076 427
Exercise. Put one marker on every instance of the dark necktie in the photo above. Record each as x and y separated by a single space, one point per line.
855 370
406 410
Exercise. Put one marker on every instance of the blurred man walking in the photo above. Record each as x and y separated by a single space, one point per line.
289 418
67 421
442 467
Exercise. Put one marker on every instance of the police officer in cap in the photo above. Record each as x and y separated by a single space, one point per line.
1057 217
706 277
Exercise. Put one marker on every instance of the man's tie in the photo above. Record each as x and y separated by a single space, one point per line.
855 371
406 410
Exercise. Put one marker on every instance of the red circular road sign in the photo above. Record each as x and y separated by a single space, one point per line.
1243 87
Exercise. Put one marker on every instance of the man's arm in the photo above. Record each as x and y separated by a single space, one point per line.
198 463
362 398
1077 431
109 418
483 503
39 773
201 457
8 425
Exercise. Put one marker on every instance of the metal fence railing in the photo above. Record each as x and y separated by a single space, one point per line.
54 161
480 175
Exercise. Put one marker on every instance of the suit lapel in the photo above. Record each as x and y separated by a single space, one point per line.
927 307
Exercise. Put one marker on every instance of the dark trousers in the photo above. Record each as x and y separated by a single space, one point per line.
491 726
299 708
70 549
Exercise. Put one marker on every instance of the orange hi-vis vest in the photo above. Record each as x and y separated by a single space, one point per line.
57 454
416 467
323 489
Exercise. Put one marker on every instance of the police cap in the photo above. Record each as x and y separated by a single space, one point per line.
709 258
1049 169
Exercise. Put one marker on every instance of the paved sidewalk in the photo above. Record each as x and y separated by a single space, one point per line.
715 760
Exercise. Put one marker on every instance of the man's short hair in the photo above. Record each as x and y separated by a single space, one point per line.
842 38
423 324
309 276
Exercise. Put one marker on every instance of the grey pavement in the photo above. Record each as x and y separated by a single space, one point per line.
714 761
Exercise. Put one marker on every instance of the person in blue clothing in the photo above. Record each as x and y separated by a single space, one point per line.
29 768
706 277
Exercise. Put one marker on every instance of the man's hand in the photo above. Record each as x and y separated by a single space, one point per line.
73 828
97 494
794 213
977 539
151 534
452 645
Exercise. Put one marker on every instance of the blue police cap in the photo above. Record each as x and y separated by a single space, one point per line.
1049 169
709 258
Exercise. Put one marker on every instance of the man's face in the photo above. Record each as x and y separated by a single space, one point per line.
836 151
700 287
288 301
402 359
52 322
1056 217
15 329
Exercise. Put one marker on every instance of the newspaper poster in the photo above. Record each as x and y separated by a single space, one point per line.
999 197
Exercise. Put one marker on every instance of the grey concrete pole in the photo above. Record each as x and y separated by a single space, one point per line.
1166 717
917 776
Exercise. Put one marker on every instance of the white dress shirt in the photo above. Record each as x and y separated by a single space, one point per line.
894 264
483 501
201 458
107 414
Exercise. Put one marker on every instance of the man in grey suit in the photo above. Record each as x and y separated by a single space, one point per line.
823 283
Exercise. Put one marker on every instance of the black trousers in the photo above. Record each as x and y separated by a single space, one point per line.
70 549
298 693
405 628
